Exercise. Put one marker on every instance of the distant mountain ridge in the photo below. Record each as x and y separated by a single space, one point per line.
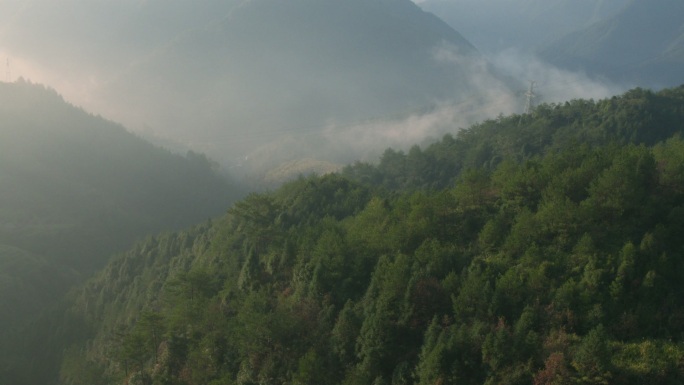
67 175
643 45
495 25
233 75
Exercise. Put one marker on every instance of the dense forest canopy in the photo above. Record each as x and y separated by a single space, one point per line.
536 249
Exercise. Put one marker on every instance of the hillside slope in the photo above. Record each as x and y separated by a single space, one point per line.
75 189
551 254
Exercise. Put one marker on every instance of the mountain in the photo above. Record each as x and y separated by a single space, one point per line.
544 248
496 25
231 77
643 45
75 189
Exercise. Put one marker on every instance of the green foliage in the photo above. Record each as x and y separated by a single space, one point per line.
509 254
592 358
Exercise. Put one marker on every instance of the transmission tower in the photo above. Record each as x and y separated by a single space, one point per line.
530 95
8 74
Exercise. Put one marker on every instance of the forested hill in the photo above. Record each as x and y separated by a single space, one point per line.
542 249
75 187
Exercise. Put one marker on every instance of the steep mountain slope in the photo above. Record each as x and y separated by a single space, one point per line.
497 25
74 189
235 75
641 45
550 253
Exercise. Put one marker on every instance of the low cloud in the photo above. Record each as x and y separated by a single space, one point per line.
484 96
